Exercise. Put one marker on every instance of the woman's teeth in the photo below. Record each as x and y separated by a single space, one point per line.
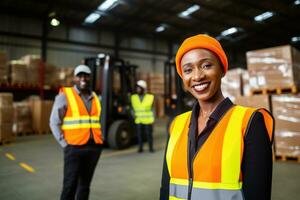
201 87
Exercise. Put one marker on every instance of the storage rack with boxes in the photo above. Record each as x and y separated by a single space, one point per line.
29 83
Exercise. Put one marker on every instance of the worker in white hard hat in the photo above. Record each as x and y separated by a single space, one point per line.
75 124
142 104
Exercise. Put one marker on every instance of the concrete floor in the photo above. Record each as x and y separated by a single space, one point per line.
124 175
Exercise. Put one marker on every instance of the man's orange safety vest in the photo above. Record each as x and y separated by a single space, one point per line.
216 167
78 123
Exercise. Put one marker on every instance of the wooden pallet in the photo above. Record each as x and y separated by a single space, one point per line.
5 142
24 133
286 158
42 132
284 90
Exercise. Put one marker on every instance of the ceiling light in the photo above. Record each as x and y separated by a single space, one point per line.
161 28
295 39
297 2
54 22
229 31
92 18
189 11
264 16
108 4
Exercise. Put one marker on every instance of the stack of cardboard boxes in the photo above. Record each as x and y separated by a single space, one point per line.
41 110
286 111
22 118
274 68
232 84
58 76
33 65
277 70
29 71
156 83
6 117
19 73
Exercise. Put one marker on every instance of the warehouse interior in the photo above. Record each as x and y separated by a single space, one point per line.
41 42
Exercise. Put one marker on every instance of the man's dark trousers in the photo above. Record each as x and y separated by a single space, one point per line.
79 167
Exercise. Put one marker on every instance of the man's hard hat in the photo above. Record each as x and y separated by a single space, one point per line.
82 69
142 84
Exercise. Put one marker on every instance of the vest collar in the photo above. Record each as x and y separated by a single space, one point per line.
80 94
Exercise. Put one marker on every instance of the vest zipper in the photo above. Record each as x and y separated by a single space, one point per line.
191 164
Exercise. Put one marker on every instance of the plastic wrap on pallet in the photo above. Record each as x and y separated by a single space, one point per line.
271 68
246 84
232 83
286 111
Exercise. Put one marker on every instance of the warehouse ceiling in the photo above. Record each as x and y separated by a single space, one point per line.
142 17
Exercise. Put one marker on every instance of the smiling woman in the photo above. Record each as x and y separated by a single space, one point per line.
218 150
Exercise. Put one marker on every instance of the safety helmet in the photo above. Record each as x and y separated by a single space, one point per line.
142 84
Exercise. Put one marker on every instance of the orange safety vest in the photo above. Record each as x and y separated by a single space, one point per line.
216 167
78 123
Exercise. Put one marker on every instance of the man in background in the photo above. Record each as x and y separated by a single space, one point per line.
75 124
142 104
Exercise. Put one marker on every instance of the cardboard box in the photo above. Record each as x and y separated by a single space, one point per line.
271 68
159 106
22 122
256 101
33 64
232 83
6 99
156 84
18 72
41 111
65 76
6 133
286 111
6 114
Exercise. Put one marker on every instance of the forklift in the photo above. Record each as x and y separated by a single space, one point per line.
114 81
176 99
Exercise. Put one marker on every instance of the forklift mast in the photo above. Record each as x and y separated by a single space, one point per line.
176 100
114 80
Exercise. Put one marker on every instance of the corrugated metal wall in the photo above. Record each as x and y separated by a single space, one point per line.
64 54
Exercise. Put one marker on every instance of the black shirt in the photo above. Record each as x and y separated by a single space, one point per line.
257 158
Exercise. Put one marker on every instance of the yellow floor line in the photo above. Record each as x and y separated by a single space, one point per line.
10 156
27 167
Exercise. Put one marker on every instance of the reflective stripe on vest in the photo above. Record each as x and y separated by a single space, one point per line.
216 166
78 123
143 109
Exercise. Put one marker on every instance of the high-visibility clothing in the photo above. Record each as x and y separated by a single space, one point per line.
143 109
216 168
78 123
